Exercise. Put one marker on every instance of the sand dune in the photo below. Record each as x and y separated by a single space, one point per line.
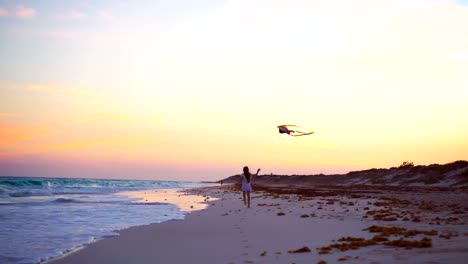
453 174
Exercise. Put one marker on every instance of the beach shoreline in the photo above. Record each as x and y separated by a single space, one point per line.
186 202
281 222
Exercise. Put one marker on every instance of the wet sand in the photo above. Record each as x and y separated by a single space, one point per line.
352 224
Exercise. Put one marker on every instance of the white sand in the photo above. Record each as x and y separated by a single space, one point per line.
227 232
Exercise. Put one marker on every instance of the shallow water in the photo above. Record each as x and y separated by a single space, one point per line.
41 218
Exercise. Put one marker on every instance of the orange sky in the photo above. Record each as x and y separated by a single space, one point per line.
112 90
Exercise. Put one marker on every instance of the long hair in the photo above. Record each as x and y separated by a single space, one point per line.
247 173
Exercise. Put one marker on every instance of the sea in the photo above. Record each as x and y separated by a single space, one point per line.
42 218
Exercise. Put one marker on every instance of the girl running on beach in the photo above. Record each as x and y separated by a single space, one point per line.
246 179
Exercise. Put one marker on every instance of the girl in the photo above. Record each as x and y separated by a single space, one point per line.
246 179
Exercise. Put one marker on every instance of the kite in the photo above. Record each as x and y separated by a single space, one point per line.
283 129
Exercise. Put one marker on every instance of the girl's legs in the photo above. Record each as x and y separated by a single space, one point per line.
248 199
243 195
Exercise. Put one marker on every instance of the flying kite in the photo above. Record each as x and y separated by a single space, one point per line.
283 129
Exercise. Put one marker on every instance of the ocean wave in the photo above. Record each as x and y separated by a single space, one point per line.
27 186
155 203
26 193
68 222
21 183
20 194
71 200
72 212
3 193
7 259
65 200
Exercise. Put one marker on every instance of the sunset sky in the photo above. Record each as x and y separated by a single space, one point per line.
194 90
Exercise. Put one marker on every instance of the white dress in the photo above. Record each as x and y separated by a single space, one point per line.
246 186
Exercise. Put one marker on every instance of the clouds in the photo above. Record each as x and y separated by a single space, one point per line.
72 15
80 15
76 14
104 14
12 133
25 12
19 11
3 12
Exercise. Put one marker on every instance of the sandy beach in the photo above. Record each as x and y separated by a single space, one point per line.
346 225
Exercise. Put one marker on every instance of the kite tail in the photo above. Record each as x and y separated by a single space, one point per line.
302 133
